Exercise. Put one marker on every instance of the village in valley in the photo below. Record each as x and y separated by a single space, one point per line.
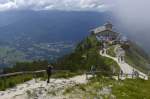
26 50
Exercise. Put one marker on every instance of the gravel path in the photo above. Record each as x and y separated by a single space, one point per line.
37 89
125 67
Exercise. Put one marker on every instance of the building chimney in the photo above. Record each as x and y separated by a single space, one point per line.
108 26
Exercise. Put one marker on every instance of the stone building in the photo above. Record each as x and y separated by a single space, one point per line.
105 32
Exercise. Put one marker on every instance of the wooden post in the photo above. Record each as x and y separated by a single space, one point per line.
132 75
118 77
86 76
4 81
23 76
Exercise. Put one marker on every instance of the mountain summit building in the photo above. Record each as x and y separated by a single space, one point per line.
105 33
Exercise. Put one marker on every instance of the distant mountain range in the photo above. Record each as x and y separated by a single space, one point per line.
44 34
49 26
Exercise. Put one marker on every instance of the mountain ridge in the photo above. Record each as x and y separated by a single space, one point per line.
24 29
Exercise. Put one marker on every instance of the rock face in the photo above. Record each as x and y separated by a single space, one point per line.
37 89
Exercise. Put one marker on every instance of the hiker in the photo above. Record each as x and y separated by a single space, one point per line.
93 69
102 46
49 72
103 51
136 74
113 70
121 73
118 58
133 73
122 59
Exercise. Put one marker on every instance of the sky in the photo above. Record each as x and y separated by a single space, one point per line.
69 5
125 10
129 12
133 14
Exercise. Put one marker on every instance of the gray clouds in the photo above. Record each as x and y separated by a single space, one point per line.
133 12
77 5
129 12
134 17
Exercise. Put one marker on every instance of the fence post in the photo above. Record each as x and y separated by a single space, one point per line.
118 76
132 75
86 76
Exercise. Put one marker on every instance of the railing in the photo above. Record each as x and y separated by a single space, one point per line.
94 73
27 72
87 73
119 75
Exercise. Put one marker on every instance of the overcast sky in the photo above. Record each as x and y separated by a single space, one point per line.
95 5
129 12
125 10
132 13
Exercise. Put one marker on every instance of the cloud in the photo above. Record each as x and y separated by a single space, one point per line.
93 5
134 17
133 12
7 6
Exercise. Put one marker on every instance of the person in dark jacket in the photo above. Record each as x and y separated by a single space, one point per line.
121 73
49 72
93 70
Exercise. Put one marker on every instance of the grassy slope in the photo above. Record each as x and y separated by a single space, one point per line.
132 89
111 52
136 57
86 55
128 89
12 81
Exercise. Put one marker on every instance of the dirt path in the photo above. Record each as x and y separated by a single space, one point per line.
37 89
125 67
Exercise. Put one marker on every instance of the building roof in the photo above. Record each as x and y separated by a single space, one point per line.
98 29
106 27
